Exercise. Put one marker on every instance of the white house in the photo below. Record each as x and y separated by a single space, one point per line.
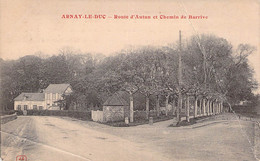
54 93
42 101
29 101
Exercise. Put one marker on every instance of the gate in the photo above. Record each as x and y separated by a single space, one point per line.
97 116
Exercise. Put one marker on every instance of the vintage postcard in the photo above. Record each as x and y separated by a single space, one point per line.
141 80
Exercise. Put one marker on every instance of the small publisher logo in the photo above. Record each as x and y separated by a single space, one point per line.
21 158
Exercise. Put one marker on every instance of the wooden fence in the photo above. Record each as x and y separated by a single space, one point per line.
97 116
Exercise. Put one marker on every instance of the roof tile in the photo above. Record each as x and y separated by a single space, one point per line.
56 88
30 97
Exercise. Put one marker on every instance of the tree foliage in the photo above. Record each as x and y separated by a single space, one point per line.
148 71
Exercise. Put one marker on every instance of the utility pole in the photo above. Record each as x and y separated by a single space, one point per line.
178 117
205 76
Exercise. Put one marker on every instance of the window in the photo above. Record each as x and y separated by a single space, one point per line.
53 96
35 107
25 107
58 96
19 107
48 96
40 108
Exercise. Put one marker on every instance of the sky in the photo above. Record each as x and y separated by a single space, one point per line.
31 26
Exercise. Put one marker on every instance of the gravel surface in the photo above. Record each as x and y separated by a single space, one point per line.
61 139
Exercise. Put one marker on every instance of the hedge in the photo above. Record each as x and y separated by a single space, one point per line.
141 115
82 115
10 112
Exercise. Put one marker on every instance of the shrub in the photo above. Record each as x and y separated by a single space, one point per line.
19 112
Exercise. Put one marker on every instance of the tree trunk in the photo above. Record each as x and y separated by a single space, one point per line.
195 107
203 107
166 105
217 108
221 107
147 106
173 107
213 106
131 108
185 103
230 107
188 109
199 108
208 108
178 109
158 105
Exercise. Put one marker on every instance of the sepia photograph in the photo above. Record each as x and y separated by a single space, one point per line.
140 80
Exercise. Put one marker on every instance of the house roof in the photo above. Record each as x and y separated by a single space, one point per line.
56 88
30 97
119 98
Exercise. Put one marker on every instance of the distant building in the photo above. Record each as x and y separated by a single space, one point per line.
26 101
54 93
244 103
116 107
42 101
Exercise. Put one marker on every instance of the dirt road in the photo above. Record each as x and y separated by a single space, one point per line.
65 139
50 138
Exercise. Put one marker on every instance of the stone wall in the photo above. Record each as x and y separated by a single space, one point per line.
113 113
126 112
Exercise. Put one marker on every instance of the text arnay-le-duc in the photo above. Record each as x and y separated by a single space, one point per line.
104 16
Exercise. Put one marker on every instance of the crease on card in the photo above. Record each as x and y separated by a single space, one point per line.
48 146
256 125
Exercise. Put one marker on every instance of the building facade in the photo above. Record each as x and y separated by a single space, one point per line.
116 107
29 101
55 92
48 100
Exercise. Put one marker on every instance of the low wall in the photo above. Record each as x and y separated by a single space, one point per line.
113 113
9 112
7 118
82 115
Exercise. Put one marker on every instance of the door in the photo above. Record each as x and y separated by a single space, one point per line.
25 107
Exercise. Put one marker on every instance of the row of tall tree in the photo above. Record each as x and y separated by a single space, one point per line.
210 67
